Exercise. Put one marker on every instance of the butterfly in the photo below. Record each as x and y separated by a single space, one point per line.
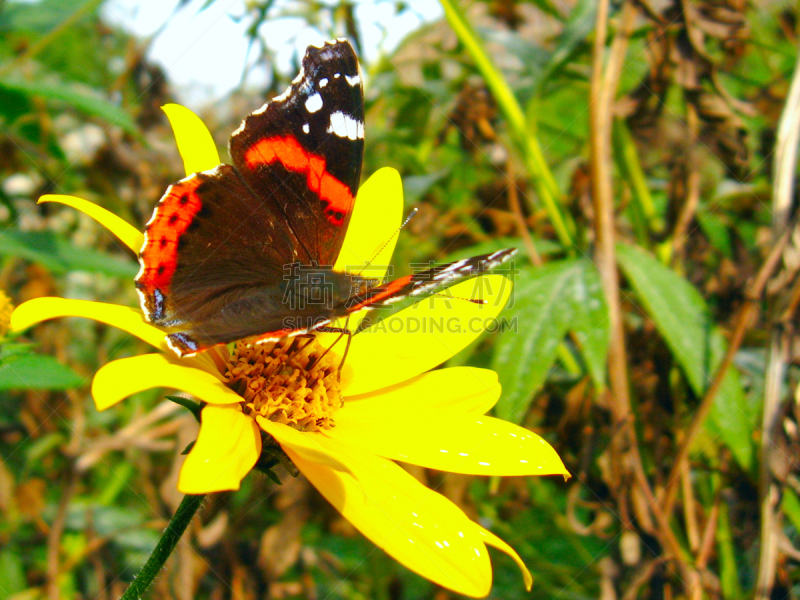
245 250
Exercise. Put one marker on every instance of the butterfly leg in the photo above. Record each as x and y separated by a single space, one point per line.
296 345
342 331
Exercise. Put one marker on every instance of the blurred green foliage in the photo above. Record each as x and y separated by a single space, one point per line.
486 115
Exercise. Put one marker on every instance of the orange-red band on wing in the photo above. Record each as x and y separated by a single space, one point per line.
334 195
382 293
172 217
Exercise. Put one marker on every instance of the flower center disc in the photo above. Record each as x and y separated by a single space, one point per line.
292 381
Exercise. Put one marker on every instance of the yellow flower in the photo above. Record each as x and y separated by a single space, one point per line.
343 433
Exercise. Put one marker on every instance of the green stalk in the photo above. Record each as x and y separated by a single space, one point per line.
628 163
568 360
729 572
542 178
177 525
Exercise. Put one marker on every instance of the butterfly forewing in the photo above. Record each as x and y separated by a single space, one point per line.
324 147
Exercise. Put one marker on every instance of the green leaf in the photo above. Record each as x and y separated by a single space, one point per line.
36 372
416 186
12 573
86 103
717 232
573 36
791 506
683 319
590 321
549 302
43 446
60 255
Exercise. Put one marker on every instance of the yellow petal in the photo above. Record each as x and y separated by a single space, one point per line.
446 440
371 237
119 379
304 444
495 541
377 214
194 141
127 319
459 389
416 526
226 449
422 336
127 233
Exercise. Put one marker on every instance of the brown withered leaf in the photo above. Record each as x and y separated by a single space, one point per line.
724 132
280 544
642 106
30 497
682 51
472 117
723 20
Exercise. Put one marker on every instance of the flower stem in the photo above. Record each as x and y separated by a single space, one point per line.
177 525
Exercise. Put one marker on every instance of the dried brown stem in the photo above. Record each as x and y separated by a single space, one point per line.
794 302
54 538
743 320
643 576
601 96
692 200
769 494
707 541
689 514
783 185
603 88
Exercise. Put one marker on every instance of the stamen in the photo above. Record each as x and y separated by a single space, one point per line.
290 381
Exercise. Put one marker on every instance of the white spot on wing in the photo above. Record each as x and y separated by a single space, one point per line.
314 103
280 98
345 126
239 129
323 82
142 297
353 81
300 76
306 128
177 350
337 75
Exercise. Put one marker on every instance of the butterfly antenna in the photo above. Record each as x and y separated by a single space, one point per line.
410 216
472 300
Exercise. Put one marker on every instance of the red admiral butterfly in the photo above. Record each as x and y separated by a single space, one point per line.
226 250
